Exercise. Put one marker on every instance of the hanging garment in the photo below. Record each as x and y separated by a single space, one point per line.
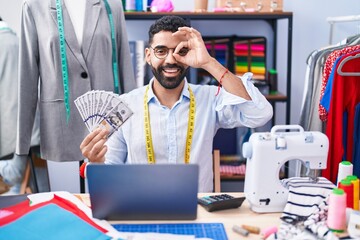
9 55
309 112
344 98
329 64
356 148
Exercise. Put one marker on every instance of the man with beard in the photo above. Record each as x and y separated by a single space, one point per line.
175 121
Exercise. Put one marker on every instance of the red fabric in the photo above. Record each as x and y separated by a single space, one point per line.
232 170
329 64
24 207
345 96
82 170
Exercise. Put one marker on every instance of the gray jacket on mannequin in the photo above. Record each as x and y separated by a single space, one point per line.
89 68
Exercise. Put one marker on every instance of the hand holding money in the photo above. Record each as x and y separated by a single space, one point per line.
93 146
103 113
102 109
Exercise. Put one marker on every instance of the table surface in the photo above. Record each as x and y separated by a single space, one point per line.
229 217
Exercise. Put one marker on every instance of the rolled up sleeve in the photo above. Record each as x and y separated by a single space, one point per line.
235 111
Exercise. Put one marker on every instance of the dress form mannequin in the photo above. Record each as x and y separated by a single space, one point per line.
56 170
89 52
11 169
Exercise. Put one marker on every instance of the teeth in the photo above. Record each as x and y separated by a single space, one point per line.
171 70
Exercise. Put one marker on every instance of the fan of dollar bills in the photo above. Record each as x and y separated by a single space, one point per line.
102 109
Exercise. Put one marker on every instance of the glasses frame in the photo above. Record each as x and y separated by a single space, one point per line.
168 50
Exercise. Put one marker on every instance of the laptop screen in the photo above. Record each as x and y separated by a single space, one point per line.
143 191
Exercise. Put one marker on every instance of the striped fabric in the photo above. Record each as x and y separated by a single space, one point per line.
305 214
305 195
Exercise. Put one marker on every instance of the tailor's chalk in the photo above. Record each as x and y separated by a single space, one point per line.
240 230
265 233
251 229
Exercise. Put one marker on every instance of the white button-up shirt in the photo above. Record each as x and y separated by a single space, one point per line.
169 126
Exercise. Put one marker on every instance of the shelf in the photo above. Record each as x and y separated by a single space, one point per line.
226 139
279 97
270 17
232 177
210 15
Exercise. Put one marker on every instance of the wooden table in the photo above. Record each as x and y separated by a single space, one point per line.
229 218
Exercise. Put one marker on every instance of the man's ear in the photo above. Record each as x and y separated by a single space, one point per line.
148 55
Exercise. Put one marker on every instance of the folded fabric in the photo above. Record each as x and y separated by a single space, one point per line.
50 222
305 195
24 207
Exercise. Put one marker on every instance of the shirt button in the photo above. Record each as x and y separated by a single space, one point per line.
84 75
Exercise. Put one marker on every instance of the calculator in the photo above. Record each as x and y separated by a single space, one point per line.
220 202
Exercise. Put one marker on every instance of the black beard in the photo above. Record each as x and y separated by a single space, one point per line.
169 82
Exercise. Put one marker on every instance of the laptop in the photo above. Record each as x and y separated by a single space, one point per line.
143 191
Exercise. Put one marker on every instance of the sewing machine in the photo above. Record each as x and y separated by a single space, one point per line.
267 152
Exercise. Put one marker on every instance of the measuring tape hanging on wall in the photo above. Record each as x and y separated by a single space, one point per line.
64 65
190 129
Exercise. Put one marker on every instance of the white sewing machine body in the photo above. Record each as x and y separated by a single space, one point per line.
267 152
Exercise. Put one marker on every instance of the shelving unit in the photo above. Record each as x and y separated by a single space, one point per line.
272 18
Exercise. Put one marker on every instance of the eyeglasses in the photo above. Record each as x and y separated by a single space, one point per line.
163 52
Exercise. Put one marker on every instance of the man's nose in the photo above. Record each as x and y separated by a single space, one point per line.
170 58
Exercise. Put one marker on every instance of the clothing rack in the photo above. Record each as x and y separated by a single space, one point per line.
333 20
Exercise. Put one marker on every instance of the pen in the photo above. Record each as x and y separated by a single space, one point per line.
240 230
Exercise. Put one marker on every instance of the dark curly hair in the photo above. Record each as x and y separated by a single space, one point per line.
167 23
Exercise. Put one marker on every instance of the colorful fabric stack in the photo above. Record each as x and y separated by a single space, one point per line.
249 56
219 51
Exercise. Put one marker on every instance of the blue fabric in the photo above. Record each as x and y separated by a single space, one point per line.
356 147
326 99
50 222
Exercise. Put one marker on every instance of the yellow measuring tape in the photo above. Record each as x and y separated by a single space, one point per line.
190 129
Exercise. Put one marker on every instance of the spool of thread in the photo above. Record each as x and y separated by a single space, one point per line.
345 169
272 78
348 188
336 220
251 229
355 182
265 233
240 230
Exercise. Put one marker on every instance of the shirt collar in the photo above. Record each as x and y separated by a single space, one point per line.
185 91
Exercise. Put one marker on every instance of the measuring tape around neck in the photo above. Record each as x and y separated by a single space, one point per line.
190 129
64 66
